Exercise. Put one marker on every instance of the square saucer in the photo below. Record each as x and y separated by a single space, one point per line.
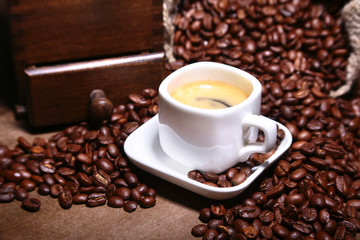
143 148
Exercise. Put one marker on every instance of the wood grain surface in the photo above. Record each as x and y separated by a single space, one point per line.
59 94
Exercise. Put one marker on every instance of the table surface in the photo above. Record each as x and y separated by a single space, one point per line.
175 213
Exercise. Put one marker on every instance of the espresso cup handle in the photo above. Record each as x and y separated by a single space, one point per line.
269 128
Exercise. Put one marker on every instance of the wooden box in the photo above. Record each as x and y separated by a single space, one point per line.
95 35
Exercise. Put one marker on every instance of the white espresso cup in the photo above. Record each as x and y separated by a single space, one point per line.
213 140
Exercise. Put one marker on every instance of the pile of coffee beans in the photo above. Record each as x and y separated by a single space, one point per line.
241 171
294 46
81 165
298 50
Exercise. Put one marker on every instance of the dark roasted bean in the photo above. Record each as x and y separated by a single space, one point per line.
31 204
96 199
130 206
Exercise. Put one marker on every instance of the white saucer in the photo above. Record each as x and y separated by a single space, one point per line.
144 150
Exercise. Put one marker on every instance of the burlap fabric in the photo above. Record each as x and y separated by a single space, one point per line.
351 16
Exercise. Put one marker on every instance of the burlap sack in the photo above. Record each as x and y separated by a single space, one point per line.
169 9
351 16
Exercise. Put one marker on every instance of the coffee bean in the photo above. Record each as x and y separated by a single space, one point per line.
199 230
147 201
298 174
44 189
131 179
238 178
215 223
123 192
341 185
21 194
210 234
28 185
31 204
279 230
250 232
248 212
266 232
65 199
309 215
96 199
80 198
135 194
101 178
47 166
130 206
116 202
105 165
266 216
84 158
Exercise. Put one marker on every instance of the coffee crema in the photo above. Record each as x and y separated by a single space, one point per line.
209 94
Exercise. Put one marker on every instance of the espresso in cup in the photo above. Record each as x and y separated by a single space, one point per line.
209 94
212 140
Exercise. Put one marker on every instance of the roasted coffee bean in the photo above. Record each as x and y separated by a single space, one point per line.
44 189
294 199
84 179
105 165
279 230
101 178
238 178
266 216
205 214
56 190
215 223
28 185
199 230
37 179
341 185
72 187
12 176
217 211
96 199
131 179
248 212
250 232
84 158
31 204
47 166
210 234
298 174
7 193
123 192
282 168
317 200
21 194
130 206
309 215
48 179
65 199
143 189
266 232
135 194
147 201
211 177
116 202
80 198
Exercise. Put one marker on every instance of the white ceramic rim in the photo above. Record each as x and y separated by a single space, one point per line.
163 89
